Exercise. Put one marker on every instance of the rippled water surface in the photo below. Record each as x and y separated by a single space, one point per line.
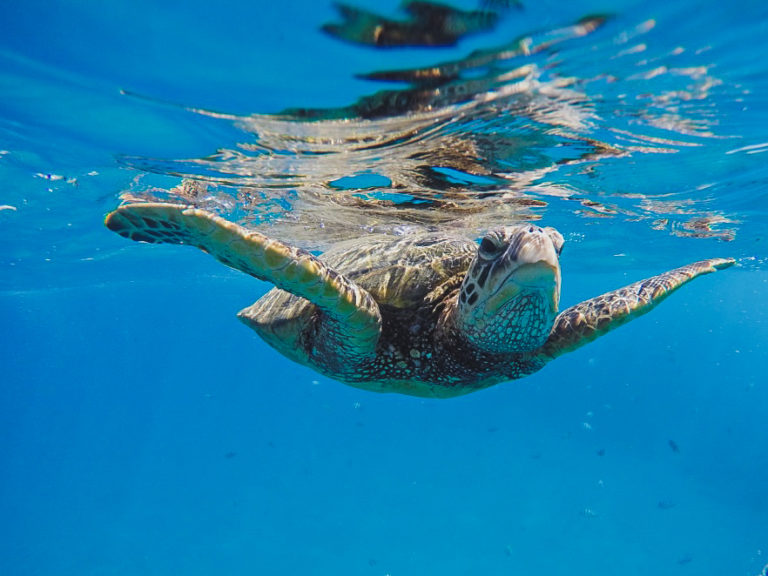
142 430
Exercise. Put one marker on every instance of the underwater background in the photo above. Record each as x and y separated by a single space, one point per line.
144 430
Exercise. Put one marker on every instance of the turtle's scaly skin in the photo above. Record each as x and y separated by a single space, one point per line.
393 315
408 278
582 323
352 316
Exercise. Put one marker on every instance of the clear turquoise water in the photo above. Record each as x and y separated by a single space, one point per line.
143 430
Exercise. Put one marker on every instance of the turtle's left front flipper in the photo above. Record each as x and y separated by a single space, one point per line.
580 324
350 308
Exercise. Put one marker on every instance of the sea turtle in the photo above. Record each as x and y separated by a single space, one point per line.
426 314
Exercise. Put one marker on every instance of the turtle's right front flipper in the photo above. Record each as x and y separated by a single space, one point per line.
356 314
580 324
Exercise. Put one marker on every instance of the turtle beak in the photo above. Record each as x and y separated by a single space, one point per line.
534 246
542 277
539 276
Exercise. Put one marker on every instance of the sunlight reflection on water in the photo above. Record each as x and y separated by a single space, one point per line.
501 135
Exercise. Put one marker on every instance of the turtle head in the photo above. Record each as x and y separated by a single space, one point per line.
510 295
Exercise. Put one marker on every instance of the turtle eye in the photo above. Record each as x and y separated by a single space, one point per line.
488 247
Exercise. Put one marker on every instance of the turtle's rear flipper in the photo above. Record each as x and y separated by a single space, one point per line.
580 324
292 269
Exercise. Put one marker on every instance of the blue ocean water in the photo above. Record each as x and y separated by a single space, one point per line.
144 430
